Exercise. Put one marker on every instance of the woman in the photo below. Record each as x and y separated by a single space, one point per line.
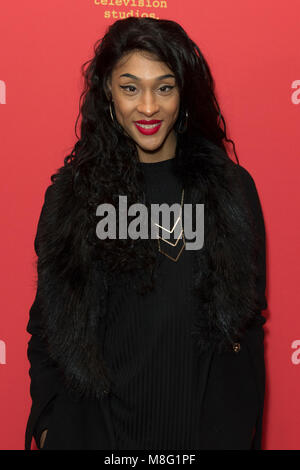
143 343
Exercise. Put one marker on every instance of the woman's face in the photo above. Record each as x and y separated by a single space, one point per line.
145 90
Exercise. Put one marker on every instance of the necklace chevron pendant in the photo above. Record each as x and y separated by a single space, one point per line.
180 237
169 256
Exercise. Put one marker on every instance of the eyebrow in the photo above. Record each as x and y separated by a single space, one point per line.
161 77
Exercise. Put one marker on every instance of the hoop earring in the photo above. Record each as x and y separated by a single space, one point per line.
114 121
111 114
183 124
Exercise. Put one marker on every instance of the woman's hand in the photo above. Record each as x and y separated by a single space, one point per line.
43 437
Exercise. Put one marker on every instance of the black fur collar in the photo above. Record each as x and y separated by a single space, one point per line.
225 279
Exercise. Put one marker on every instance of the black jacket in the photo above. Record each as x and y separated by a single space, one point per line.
66 370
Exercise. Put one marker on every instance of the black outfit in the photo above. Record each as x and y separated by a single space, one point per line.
156 402
165 394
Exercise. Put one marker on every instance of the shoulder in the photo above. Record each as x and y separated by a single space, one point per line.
57 204
59 192
245 178
249 194
248 187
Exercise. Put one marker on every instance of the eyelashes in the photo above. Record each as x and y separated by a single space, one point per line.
125 87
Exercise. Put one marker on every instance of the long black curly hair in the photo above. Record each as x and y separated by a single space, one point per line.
104 160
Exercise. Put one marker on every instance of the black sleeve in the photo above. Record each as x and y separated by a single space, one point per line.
45 379
259 226
255 335
42 423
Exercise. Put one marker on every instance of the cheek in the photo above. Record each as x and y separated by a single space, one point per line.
174 108
173 112
176 114
123 110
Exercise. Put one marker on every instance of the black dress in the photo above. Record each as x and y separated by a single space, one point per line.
159 376
155 403
165 395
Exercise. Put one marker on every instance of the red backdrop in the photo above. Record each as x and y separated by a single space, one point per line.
252 49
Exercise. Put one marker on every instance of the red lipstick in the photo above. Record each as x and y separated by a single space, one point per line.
154 123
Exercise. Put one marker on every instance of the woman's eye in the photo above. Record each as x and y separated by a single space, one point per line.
167 86
126 87
132 88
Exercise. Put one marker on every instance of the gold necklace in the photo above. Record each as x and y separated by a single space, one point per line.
170 231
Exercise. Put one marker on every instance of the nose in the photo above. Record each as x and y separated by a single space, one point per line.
148 104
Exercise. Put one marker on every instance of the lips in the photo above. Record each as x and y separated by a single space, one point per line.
148 130
153 121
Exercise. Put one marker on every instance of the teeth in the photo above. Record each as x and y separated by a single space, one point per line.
148 126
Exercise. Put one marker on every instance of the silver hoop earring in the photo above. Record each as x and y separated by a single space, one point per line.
114 121
111 114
